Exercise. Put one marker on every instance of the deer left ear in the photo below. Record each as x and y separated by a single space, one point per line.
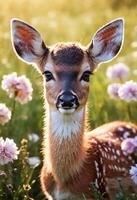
27 42
107 41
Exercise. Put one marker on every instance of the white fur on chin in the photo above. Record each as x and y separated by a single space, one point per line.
66 111
64 126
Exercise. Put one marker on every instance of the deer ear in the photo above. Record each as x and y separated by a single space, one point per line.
27 42
107 41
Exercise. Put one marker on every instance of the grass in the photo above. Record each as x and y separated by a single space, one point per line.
60 20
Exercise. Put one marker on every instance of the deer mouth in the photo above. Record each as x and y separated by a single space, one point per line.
66 110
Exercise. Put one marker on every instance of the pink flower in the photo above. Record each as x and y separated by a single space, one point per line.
24 90
8 151
9 83
117 71
135 141
128 145
128 91
5 114
113 90
133 173
18 87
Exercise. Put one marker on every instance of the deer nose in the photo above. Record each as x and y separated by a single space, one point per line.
67 100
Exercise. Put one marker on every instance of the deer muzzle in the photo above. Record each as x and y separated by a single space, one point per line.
67 102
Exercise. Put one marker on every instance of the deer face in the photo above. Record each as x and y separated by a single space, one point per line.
66 67
66 74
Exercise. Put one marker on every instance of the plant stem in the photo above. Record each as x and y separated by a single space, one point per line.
12 117
13 109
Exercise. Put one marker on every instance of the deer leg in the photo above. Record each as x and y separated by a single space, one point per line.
100 181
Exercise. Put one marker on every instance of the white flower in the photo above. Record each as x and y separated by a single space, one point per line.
113 90
8 151
117 71
5 114
34 161
133 173
128 91
33 137
18 87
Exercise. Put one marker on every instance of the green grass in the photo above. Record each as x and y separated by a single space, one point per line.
61 20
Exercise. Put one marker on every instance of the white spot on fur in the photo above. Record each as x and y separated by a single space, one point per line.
118 152
113 150
94 142
110 143
126 134
110 133
129 157
128 126
101 161
111 158
98 174
104 170
106 149
96 183
96 166
120 129
134 130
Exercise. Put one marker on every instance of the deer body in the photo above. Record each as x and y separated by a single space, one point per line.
74 158
85 158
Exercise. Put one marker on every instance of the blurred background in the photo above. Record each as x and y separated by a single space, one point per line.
62 20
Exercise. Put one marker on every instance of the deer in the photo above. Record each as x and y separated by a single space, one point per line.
74 157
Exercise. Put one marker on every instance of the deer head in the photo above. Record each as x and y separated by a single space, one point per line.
66 67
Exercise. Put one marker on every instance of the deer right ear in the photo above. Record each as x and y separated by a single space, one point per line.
107 41
27 42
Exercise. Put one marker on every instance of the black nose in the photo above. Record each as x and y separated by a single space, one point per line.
67 100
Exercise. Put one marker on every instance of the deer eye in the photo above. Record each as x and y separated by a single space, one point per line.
48 76
85 76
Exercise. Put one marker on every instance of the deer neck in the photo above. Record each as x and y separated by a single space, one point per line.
65 142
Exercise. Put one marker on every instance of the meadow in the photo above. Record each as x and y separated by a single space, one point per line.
59 20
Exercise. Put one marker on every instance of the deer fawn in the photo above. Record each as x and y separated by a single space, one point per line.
73 158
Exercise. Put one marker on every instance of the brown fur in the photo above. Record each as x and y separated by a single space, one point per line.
67 54
106 35
77 181
67 78
25 35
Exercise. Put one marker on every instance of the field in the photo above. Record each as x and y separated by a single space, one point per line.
60 20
